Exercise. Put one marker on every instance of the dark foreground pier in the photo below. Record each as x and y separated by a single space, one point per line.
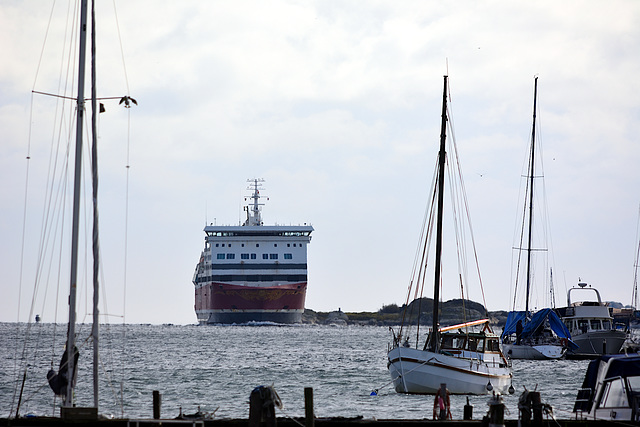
264 400
288 422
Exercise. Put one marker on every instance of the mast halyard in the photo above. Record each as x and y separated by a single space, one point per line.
434 345
531 176
71 345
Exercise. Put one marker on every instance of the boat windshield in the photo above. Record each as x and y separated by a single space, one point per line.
614 395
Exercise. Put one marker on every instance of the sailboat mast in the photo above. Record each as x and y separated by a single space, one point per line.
442 154
531 173
68 399
95 332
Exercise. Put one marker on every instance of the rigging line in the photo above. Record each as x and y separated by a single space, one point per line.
51 174
124 66
40 262
634 293
43 223
126 240
22 246
426 248
523 215
44 42
466 205
420 257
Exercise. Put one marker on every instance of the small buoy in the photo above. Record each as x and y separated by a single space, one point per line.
37 318
489 386
374 393
511 389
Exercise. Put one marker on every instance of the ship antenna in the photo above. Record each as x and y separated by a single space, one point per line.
255 217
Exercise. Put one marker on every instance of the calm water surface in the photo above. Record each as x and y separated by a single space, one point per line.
216 367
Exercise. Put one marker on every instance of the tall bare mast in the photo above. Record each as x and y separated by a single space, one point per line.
531 176
68 399
95 332
442 155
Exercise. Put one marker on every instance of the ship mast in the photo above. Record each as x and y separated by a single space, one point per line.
254 218
531 171
434 345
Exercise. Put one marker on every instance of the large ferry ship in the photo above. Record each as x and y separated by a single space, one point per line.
252 272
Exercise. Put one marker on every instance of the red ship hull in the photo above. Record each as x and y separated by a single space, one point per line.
226 303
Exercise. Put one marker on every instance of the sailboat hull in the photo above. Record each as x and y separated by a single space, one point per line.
421 372
533 352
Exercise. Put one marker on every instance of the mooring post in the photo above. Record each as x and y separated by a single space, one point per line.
262 412
308 407
157 402
496 411
468 410
536 406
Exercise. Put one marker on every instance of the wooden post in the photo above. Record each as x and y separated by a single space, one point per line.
156 404
536 406
308 407
468 410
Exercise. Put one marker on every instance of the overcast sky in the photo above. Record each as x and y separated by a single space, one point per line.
336 104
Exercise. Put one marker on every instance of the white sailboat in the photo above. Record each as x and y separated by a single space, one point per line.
468 362
526 335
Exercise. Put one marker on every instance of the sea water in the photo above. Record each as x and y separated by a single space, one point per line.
215 368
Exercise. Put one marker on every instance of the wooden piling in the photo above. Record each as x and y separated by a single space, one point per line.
157 402
308 407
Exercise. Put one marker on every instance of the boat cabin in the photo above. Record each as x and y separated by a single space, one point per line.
611 389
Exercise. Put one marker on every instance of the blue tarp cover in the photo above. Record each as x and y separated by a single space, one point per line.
538 319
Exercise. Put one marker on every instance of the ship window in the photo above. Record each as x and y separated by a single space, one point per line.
217 245
614 395
595 324
633 383
265 256
273 256
243 245
220 256
288 245
288 256
257 245
447 342
253 256
275 245
231 256
244 256
606 324
583 325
